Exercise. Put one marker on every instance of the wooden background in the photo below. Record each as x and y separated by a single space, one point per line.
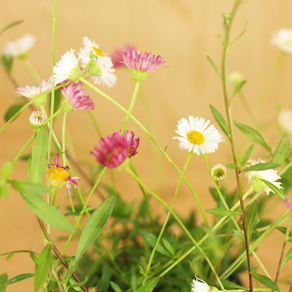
184 33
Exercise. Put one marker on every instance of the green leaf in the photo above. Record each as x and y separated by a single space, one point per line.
72 214
287 257
284 230
247 154
7 63
57 99
3 279
151 240
7 169
220 120
282 150
222 212
18 278
3 188
253 135
38 165
231 166
232 286
12 111
214 66
239 234
34 257
238 87
29 187
10 25
47 213
261 166
168 246
251 217
265 281
45 262
116 287
149 285
92 229
277 191
134 280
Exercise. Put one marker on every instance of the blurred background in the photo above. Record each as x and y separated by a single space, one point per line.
184 33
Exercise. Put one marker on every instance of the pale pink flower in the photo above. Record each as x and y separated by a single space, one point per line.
133 143
34 90
117 56
75 98
37 119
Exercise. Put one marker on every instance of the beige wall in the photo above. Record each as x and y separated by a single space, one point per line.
184 33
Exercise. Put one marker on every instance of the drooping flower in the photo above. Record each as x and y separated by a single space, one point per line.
117 56
67 68
218 172
196 137
99 66
255 177
199 285
116 149
283 40
37 119
33 91
235 78
141 64
75 98
285 119
58 176
19 47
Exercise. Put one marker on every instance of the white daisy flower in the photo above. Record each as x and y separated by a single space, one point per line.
254 177
67 68
101 68
199 285
19 47
218 172
196 137
34 90
283 40
285 120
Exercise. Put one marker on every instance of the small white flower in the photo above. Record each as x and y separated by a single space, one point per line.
101 68
218 172
34 90
199 285
283 40
196 137
285 120
254 177
19 47
67 68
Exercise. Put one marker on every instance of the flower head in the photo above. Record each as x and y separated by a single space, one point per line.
100 66
199 285
58 176
67 68
283 40
115 149
196 137
141 64
255 177
33 91
20 47
37 119
75 98
285 120
235 78
117 56
218 172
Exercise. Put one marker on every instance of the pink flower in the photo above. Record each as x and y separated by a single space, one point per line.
117 56
116 148
142 62
34 90
58 176
75 99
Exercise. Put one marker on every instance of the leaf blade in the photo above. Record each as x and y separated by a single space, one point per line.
220 120
282 150
214 67
18 278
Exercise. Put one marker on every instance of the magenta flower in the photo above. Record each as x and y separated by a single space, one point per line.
117 56
58 176
75 99
115 149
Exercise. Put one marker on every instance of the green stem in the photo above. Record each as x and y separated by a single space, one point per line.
180 223
22 150
153 140
137 84
32 70
95 124
64 138
54 196
167 217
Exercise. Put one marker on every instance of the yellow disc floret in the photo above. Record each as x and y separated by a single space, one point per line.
196 137
57 176
98 52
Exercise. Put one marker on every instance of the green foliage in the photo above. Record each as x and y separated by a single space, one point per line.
265 280
281 151
277 191
214 66
18 278
12 111
222 212
251 217
261 166
247 154
7 63
57 99
3 280
238 87
287 257
149 285
220 120
10 25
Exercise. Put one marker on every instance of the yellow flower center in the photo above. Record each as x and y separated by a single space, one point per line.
98 52
58 174
196 137
218 172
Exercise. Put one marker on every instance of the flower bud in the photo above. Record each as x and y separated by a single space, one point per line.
37 119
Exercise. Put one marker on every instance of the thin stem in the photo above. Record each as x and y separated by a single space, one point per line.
167 217
22 150
95 124
181 224
54 196
64 138
137 84
32 70
153 140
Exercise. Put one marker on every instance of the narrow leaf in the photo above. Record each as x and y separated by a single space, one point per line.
282 150
287 257
261 166
34 257
239 234
220 120
232 286
18 278
134 280
253 135
222 212
10 25
231 166
265 281
38 165
277 191
168 246
3 279
47 212
149 285
284 230
116 287
214 66
7 63
92 229
12 111
29 187
247 154
251 217
238 87
57 99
